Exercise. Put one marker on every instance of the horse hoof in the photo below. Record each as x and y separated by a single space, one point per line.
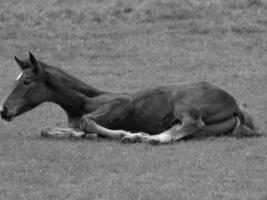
153 141
44 133
126 140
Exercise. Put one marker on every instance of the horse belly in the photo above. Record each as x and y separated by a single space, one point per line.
153 113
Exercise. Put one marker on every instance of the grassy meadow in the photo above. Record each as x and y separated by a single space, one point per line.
129 45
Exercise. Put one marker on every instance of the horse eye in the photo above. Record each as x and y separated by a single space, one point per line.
26 82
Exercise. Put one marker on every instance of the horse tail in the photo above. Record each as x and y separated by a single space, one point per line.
244 126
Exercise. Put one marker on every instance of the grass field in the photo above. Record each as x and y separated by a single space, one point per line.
123 45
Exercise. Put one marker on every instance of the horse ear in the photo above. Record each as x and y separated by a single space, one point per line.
20 63
34 64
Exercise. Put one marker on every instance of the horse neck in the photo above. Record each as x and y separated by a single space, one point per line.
70 93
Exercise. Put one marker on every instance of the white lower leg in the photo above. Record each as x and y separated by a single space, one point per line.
165 137
113 134
135 137
162 138
53 132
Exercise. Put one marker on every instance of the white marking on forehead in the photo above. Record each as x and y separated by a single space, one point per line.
19 76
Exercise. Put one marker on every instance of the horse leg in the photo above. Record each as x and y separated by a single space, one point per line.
191 122
135 137
65 133
90 126
73 132
96 121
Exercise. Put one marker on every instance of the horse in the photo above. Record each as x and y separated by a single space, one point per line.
157 115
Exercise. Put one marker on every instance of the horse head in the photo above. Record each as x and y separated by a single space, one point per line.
29 89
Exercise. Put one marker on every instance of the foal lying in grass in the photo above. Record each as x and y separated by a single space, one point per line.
156 115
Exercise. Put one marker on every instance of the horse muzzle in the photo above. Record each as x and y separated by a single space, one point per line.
5 114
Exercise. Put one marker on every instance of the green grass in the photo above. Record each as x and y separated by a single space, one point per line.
128 46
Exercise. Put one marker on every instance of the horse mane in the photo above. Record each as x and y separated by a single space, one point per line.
57 78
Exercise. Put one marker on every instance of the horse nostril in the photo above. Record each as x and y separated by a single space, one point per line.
5 114
3 110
